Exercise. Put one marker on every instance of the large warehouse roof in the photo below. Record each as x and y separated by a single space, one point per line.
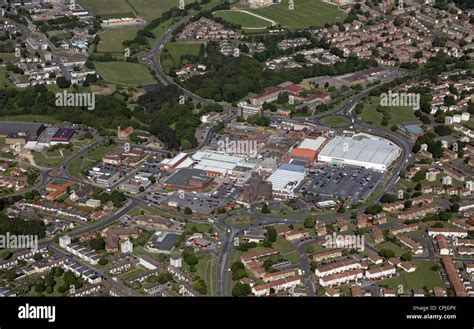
364 152
287 178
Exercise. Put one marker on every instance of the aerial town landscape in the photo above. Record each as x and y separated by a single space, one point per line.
243 148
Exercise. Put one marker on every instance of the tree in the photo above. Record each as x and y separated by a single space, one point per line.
63 83
406 257
309 222
188 211
40 288
97 244
272 234
103 261
265 209
241 290
201 287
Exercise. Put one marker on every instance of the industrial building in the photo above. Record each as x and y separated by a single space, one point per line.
360 151
188 179
219 164
286 179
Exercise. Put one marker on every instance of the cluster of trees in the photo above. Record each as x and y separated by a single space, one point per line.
232 78
434 147
241 290
59 24
189 256
18 226
117 197
171 116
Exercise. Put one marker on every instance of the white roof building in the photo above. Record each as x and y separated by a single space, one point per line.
219 162
360 151
286 179
312 144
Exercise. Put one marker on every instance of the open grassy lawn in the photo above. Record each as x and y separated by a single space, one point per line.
305 13
78 165
287 249
399 114
469 124
423 276
30 118
335 121
150 9
171 55
130 74
108 8
7 57
51 158
392 246
3 78
243 19
111 39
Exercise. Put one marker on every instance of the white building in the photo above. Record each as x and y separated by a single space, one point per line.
337 267
64 241
380 272
126 246
286 179
341 278
278 285
360 151
176 261
447 232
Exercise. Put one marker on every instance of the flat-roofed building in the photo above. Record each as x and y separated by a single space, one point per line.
363 152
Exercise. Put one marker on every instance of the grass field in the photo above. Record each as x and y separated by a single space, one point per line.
244 19
399 114
335 121
130 74
150 9
171 55
108 8
30 118
392 246
305 13
423 276
7 57
111 39
3 78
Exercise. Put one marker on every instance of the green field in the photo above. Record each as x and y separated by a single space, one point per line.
335 121
7 57
3 78
399 114
423 276
150 9
108 8
30 118
111 39
147 9
305 13
171 55
243 19
392 246
51 158
130 74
